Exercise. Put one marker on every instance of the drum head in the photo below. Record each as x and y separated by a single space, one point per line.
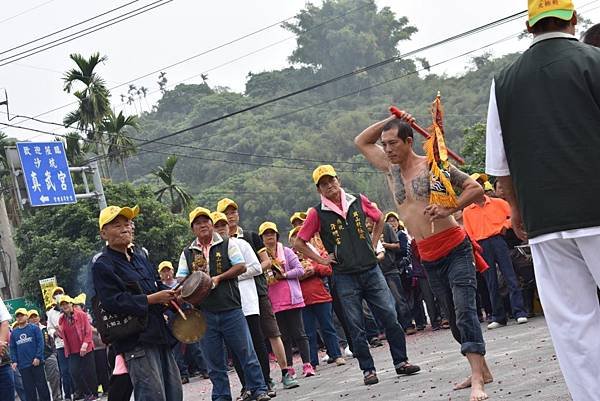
191 330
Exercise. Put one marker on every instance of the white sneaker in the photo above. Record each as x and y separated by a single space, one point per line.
347 353
494 325
325 358
522 320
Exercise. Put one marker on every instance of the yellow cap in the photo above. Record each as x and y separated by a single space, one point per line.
165 264
32 312
218 216
479 176
391 214
65 298
21 311
298 216
57 289
294 231
79 299
539 9
267 225
323 170
487 186
109 213
199 211
224 204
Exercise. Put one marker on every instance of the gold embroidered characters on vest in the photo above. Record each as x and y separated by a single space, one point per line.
336 233
219 262
358 224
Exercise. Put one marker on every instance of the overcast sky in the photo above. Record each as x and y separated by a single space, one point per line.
183 28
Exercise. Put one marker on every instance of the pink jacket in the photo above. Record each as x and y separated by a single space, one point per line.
83 328
287 294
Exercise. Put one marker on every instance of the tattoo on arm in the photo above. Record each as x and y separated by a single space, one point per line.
457 177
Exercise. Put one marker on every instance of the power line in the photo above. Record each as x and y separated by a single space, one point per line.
25 11
204 158
467 33
334 79
95 28
67 28
242 56
217 48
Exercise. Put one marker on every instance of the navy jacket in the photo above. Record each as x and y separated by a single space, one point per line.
111 271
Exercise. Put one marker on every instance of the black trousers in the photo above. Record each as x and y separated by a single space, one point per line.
291 326
83 372
258 339
101 360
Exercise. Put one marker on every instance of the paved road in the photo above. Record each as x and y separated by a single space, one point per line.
521 357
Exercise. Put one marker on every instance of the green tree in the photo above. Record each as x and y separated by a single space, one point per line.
74 150
61 240
120 146
342 35
180 198
473 149
92 98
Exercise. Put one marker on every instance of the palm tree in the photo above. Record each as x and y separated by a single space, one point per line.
93 98
73 150
165 174
120 146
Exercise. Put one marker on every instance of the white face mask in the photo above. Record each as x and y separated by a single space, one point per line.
57 297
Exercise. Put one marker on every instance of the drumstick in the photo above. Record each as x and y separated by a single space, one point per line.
178 310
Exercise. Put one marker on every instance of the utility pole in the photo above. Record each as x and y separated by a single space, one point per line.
9 270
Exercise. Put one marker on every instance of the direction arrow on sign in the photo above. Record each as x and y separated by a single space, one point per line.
44 199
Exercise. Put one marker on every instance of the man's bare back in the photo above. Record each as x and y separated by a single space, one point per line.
411 194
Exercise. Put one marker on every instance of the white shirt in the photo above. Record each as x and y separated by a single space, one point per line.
246 282
495 155
4 315
53 316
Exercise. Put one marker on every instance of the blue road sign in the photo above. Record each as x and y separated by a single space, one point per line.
46 173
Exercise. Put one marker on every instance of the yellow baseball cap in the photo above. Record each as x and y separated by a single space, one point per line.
298 216
79 299
57 289
65 298
224 204
165 264
267 225
109 213
218 216
294 231
391 214
32 312
199 211
21 311
487 186
323 170
479 176
540 9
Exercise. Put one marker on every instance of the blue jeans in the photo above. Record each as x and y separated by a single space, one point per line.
7 383
495 251
230 328
34 381
185 353
65 373
370 286
394 281
154 374
453 282
323 314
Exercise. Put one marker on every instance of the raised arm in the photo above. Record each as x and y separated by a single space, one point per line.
366 142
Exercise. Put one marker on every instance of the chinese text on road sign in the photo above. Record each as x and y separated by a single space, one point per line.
46 173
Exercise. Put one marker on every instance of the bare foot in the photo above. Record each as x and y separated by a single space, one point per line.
477 393
487 378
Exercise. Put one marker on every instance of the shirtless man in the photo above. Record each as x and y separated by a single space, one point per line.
443 244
